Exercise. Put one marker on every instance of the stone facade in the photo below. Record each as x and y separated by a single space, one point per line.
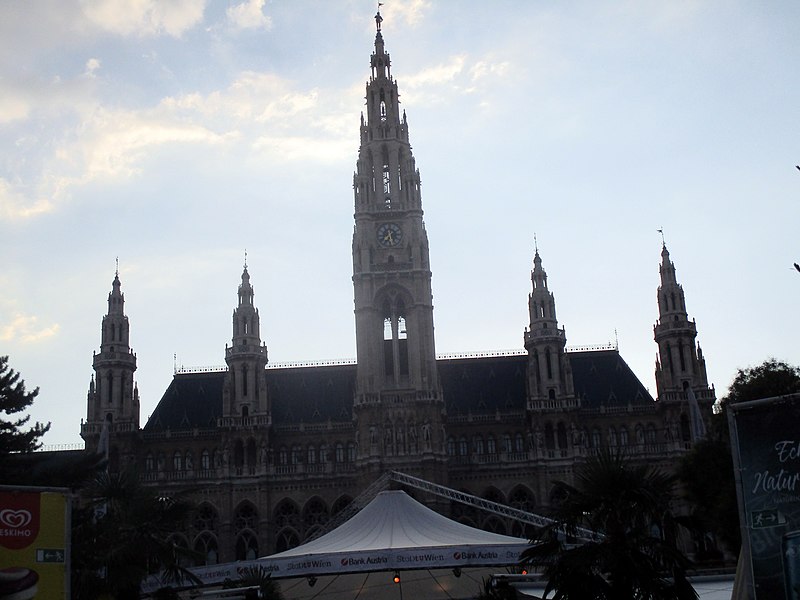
273 452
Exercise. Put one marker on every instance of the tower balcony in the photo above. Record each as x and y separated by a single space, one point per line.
246 351
665 327
537 336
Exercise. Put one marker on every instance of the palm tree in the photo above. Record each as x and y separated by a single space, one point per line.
632 556
122 532
259 577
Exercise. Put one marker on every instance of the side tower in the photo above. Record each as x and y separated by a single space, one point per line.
398 405
246 416
550 383
112 414
681 379
245 392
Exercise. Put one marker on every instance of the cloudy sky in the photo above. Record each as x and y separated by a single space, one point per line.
178 134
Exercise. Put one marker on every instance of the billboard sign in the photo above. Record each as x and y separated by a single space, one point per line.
765 439
34 542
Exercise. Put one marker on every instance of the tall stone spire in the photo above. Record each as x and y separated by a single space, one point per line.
245 391
549 371
680 371
113 398
398 405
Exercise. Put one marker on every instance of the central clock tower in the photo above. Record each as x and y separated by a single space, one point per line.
398 406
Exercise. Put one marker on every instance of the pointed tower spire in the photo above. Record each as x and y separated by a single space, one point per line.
245 392
398 404
680 369
113 398
549 371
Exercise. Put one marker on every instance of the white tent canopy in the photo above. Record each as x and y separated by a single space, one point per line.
393 532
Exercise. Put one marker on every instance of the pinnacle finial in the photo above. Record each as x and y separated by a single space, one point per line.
663 242
245 258
378 17
535 244
116 272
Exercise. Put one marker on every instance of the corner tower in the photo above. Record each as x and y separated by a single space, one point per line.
113 398
398 406
245 391
550 383
680 366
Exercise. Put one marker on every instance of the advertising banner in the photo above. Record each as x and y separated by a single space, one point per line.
34 543
765 436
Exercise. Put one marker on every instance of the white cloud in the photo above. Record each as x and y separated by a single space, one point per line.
12 106
144 17
14 204
112 143
26 329
92 65
249 15
409 11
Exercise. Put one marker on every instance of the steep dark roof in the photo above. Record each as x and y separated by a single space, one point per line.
316 394
311 394
483 385
602 377
191 400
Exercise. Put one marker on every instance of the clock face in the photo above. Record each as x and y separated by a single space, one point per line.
389 234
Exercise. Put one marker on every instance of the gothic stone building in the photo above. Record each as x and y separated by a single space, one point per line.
272 452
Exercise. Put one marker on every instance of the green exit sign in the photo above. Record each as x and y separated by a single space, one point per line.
50 555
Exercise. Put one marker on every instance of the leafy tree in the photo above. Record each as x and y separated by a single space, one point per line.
634 554
121 533
707 470
771 378
13 400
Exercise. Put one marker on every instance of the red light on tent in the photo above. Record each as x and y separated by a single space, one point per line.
524 571
396 577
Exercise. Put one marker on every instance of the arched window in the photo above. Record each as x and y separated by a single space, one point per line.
549 437
323 453
311 455
315 514
650 433
177 461
478 443
612 436
287 514
206 546
351 452
206 518
286 540
283 456
507 442
246 546
451 446
246 517
562 436
491 445
205 460
339 453
296 453
597 439
519 443
623 436
463 447
238 454
149 463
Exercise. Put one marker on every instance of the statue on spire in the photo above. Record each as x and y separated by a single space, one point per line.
378 17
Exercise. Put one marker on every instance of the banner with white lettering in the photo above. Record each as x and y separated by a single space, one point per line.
766 447
338 563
